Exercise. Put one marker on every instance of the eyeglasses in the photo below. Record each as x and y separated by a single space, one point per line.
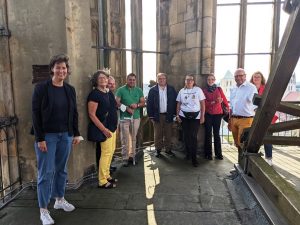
239 75
189 79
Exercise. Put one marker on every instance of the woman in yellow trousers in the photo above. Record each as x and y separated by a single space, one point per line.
102 109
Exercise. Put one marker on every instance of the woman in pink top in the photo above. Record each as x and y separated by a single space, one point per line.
213 115
259 81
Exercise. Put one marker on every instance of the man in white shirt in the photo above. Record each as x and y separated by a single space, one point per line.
241 106
161 109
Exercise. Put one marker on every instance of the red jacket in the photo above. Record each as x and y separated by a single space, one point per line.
211 105
260 92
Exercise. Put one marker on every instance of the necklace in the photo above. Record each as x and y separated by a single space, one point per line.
102 89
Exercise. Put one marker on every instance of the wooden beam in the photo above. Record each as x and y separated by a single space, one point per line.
289 108
284 126
279 140
282 69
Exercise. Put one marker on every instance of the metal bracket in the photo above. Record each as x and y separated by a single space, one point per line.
7 122
290 5
4 32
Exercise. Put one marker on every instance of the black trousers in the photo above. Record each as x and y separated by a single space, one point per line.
190 129
212 123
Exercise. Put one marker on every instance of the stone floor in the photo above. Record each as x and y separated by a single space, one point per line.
164 191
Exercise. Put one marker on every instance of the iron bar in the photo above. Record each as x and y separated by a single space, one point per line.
128 49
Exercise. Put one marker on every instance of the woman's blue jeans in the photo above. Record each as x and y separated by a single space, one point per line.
52 167
268 150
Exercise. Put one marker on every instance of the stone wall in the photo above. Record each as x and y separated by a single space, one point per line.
39 30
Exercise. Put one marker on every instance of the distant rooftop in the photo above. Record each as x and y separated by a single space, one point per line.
292 96
228 75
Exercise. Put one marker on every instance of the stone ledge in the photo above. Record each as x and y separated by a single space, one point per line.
280 192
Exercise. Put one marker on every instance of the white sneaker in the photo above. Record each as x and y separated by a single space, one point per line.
63 204
46 218
269 161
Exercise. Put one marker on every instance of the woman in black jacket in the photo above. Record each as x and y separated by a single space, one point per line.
55 125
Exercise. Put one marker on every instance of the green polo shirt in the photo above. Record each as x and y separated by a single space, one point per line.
129 96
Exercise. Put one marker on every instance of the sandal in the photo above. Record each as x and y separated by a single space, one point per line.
112 180
108 185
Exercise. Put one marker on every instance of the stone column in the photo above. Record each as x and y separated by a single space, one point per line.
208 37
8 148
83 63
187 31
116 39
163 35
137 40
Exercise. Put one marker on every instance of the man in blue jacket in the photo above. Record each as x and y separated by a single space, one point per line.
161 109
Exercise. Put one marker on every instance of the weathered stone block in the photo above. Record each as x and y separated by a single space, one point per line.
190 11
191 56
181 6
208 37
190 26
163 13
177 36
164 32
176 61
173 12
163 45
193 40
180 17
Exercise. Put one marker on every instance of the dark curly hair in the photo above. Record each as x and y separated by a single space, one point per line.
61 58
95 76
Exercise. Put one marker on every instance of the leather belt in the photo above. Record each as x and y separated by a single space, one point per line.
241 117
163 113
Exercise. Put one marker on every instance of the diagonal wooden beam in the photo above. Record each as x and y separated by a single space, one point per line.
280 140
284 126
282 69
289 108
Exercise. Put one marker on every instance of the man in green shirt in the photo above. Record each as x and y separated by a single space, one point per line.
130 99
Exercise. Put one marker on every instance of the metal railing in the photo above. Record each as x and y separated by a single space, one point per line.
7 134
227 138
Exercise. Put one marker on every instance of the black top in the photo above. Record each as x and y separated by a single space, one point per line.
44 103
58 121
107 108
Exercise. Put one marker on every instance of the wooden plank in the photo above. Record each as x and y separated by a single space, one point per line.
282 69
280 140
284 126
289 108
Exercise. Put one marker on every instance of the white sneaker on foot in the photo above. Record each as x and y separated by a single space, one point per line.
63 204
269 161
46 218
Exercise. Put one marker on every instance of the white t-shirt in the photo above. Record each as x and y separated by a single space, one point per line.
190 100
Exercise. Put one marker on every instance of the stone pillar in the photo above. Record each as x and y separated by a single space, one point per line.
83 63
137 40
8 148
116 39
186 30
162 35
208 38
